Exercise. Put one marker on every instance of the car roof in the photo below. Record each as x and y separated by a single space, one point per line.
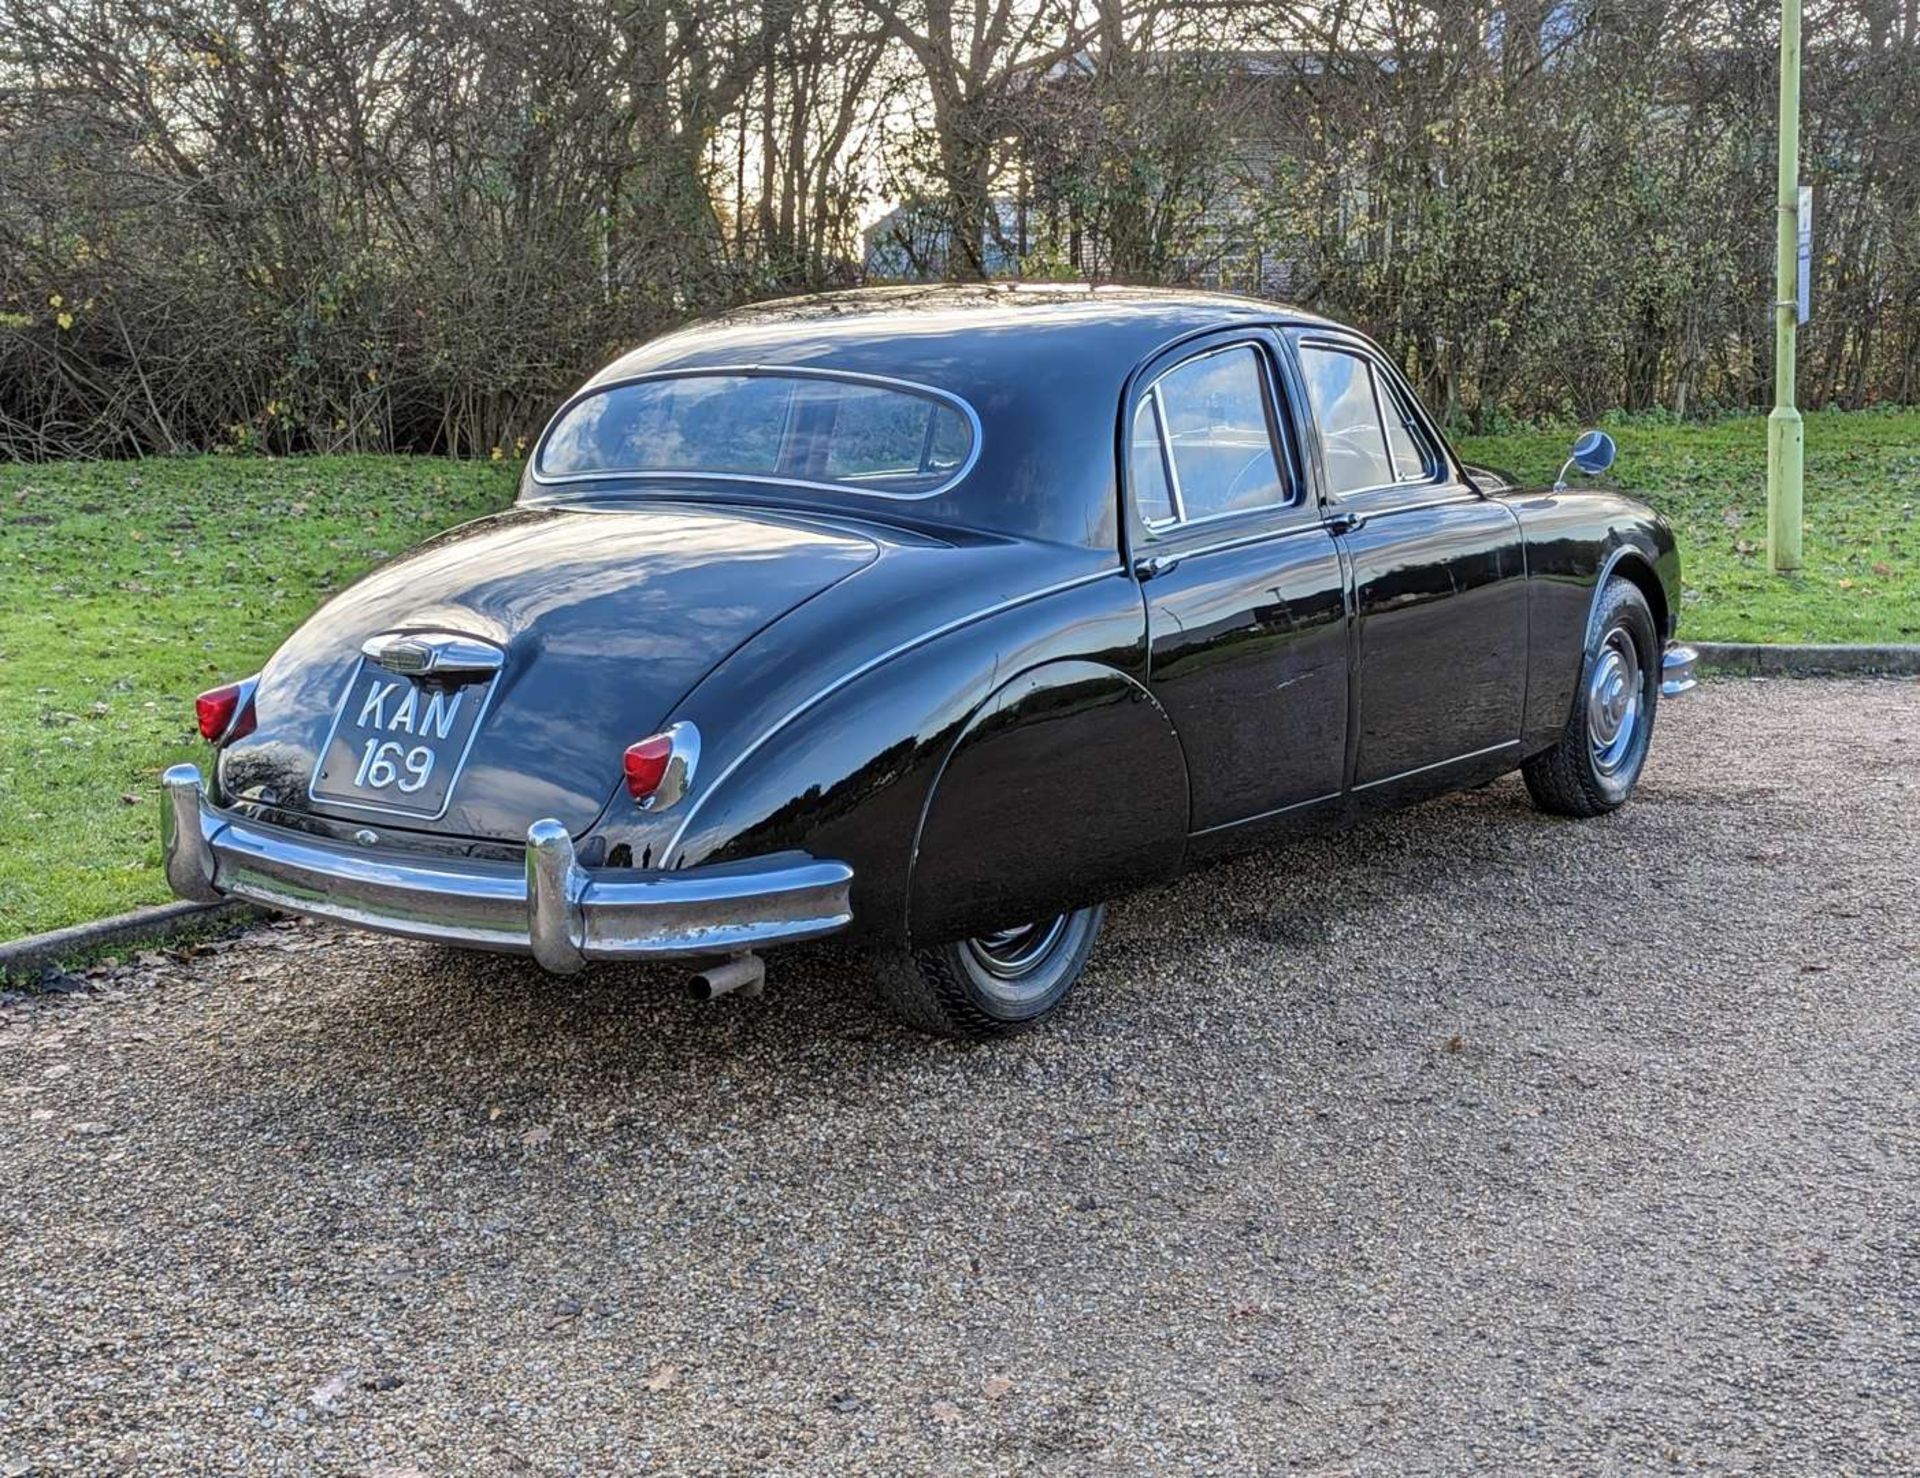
1043 366
933 332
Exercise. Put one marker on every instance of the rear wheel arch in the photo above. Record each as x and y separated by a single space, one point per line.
1066 785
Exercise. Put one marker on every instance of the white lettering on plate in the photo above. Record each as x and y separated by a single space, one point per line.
441 707
376 706
435 717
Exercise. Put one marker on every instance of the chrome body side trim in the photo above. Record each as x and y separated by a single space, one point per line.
778 371
1457 759
1676 670
671 851
1314 800
550 907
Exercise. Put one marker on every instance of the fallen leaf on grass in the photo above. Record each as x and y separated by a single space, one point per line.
1883 569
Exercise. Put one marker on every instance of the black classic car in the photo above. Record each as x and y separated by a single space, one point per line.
937 617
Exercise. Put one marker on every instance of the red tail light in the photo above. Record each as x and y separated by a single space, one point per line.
660 767
645 764
225 713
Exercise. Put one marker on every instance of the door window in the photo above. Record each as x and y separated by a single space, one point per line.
1207 423
1150 486
1414 459
1352 440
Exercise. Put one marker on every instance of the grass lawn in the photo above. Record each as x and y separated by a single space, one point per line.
129 587
1861 577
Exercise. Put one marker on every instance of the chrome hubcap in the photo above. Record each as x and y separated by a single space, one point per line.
1009 954
1613 701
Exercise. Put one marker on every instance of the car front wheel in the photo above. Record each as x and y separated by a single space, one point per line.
993 984
1592 769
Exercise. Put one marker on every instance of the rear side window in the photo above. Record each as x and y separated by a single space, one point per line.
878 438
1203 440
1352 440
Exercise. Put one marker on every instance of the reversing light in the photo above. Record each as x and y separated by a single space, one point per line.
659 768
225 713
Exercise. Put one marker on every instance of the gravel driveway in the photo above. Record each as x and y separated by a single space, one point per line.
1471 1138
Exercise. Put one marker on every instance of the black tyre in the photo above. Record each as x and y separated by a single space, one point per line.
993 985
1593 768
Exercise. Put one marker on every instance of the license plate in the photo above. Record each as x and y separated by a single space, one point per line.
398 744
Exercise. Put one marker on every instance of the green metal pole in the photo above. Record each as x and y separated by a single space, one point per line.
1786 437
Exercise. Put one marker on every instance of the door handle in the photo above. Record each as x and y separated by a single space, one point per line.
1344 521
1154 565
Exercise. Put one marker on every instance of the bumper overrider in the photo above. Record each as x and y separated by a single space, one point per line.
561 913
1676 670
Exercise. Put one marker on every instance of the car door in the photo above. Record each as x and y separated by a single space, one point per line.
1246 605
1438 576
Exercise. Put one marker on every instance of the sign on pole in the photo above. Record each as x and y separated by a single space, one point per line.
1806 251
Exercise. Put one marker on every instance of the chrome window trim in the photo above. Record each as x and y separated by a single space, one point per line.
1276 436
1167 464
1355 351
1450 470
671 851
1381 392
763 371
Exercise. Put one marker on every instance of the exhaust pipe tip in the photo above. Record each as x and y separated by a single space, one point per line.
745 974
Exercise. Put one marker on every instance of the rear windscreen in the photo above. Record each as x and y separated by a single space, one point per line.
869 437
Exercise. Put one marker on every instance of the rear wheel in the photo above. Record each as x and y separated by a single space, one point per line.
1593 768
993 984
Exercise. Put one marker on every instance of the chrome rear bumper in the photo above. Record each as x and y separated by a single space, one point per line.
1676 669
550 907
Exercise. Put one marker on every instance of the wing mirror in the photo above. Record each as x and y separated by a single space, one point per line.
1593 453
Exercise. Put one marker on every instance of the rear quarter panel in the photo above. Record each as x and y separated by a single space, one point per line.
832 731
